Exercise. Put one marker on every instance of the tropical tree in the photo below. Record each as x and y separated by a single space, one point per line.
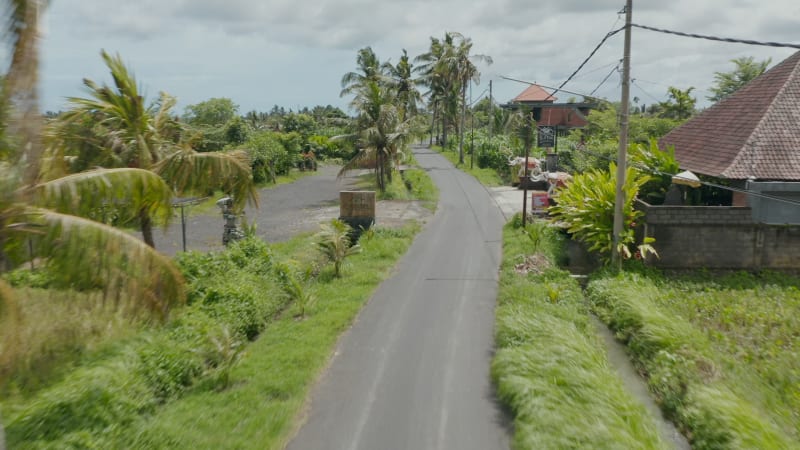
369 71
726 83
680 104
334 243
404 84
133 134
459 63
44 213
441 87
381 135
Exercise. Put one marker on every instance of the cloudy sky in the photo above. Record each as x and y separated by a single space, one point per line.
293 53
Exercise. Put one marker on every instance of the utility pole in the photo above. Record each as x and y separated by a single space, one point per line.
491 111
619 200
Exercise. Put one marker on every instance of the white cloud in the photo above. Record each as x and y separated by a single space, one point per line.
293 52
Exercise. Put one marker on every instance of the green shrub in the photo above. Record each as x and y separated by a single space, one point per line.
168 366
586 206
94 399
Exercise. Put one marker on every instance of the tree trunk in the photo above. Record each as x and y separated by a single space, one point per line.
433 123
146 224
444 130
463 118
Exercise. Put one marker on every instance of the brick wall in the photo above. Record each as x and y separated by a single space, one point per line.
719 237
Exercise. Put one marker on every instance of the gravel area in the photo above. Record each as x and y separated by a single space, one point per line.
283 212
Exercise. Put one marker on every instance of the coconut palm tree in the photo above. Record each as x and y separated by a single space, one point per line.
43 213
133 134
459 63
400 78
381 135
369 70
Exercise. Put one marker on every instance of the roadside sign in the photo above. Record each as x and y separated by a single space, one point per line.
547 136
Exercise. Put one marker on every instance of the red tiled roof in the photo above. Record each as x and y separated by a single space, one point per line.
563 117
754 132
534 93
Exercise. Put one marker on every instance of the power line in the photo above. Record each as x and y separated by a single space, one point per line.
550 87
600 44
717 38
615 69
633 80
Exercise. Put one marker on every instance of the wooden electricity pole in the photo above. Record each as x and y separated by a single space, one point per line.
619 201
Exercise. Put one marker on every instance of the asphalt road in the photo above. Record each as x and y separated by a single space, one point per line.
413 371
283 212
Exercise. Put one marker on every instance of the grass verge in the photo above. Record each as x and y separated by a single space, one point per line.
487 176
231 370
550 367
715 356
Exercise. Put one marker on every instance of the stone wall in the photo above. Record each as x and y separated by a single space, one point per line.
719 237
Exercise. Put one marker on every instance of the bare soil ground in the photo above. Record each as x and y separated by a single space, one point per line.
285 211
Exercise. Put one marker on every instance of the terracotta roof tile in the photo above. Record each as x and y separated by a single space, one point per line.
534 93
563 117
754 132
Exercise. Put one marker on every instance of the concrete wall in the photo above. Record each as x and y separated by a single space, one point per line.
766 210
719 237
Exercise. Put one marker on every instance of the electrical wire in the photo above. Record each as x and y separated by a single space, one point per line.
615 69
600 44
633 81
717 38
550 87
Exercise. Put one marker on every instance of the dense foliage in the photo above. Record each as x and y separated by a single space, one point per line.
716 351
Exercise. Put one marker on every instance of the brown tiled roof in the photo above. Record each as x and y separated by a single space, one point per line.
562 117
534 93
754 132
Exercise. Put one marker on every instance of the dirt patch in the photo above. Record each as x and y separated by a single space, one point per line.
536 264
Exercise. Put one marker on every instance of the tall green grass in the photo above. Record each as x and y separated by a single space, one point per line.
487 176
550 367
230 370
707 386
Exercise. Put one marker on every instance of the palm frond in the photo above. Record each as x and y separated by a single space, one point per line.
110 259
192 172
129 191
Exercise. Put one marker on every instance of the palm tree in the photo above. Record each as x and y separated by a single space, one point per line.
370 71
381 135
434 74
135 135
42 212
405 86
459 63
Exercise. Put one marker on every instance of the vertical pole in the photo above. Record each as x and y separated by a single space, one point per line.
619 200
471 131
524 177
183 227
491 111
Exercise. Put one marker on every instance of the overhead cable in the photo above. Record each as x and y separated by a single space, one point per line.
717 38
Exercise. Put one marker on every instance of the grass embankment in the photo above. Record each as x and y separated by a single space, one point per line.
550 366
232 369
719 352
487 176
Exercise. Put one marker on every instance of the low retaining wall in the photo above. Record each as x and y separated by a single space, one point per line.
718 237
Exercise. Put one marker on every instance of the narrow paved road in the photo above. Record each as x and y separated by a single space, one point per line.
413 372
